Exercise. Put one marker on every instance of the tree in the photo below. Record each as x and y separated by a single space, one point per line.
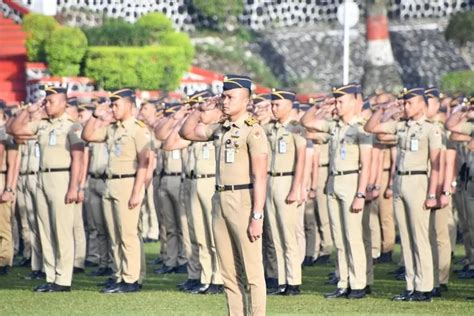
461 27
38 29
220 10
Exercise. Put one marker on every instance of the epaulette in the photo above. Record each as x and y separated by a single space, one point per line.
140 123
251 121
294 122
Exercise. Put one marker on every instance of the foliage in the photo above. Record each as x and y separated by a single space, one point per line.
220 10
117 32
156 25
462 81
146 68
38 28
461 27
65 50
179 39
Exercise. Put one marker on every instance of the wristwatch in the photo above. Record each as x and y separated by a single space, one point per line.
447 193
8 190
257 216
360 195
431 197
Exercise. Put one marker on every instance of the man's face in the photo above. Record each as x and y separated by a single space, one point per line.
147 110
262 109
414 106
234 101
55 104
281 108
345 104
433 107
120 108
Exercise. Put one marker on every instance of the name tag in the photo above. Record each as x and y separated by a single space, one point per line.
118 150
343 153
281 146
52 138
414 144
205 152
37 150
176 154
230 155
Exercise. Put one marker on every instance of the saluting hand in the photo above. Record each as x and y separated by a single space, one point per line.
255 230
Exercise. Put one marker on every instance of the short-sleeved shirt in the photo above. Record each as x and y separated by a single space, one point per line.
284 140
56 136
172 161
467 128
346 141
125 140
99 158
415 139
30 156
236 142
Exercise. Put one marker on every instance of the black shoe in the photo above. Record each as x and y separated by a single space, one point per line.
200 289
90 264
277 290
59 288
400 270
368 290
400 277
214 289
128 287
26 262
436 292
165 270
463 269
469 274
157 261
4 270
190 285
292 290
470 298
385 257
111 288
77 270
404 297
443 287
108 283
338 293
331 274
102 272
43 288
271 283
322 260
421 297
357 294
35 275
333 281
182 269
308 261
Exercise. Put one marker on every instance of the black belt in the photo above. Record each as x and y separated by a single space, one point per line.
55 169
96 176
324 165
343 173
118 176
281 174
409 173
171 174
471 178
221 188
29 173
202 176
386 169
3 172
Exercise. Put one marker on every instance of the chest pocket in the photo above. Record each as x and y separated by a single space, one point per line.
350 137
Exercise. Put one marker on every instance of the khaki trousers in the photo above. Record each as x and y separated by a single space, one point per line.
284 220
26 198
413 224
127 245
367 236
269 254
469 203
6 236
23 229
313 240
239 258
56 226
80 247
160 216
348 233
94 206
188 221
92 242
201 205
322 214
148 215
171 206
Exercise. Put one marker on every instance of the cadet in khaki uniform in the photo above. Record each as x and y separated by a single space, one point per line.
349 166
419 143
97 157
61 151
8 176
26 195
241 145
288 147
128 144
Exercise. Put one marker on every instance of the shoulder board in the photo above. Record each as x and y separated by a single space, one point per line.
294 122
251 121
140 123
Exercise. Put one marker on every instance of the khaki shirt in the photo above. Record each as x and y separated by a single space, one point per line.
99 158
284 140
30 156
125 141
321 146
345 143
172 161
236 142
205 157
415 139
55 138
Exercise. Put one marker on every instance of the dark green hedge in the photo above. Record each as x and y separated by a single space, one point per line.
461 27
146 68
462 81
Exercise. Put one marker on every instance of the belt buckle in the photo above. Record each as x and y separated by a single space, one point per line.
108 176
219 188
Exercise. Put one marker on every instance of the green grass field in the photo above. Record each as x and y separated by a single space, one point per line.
160 297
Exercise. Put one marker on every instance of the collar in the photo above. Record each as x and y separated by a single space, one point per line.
127 123
284 124
352 122
63 117
417 122
238 123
